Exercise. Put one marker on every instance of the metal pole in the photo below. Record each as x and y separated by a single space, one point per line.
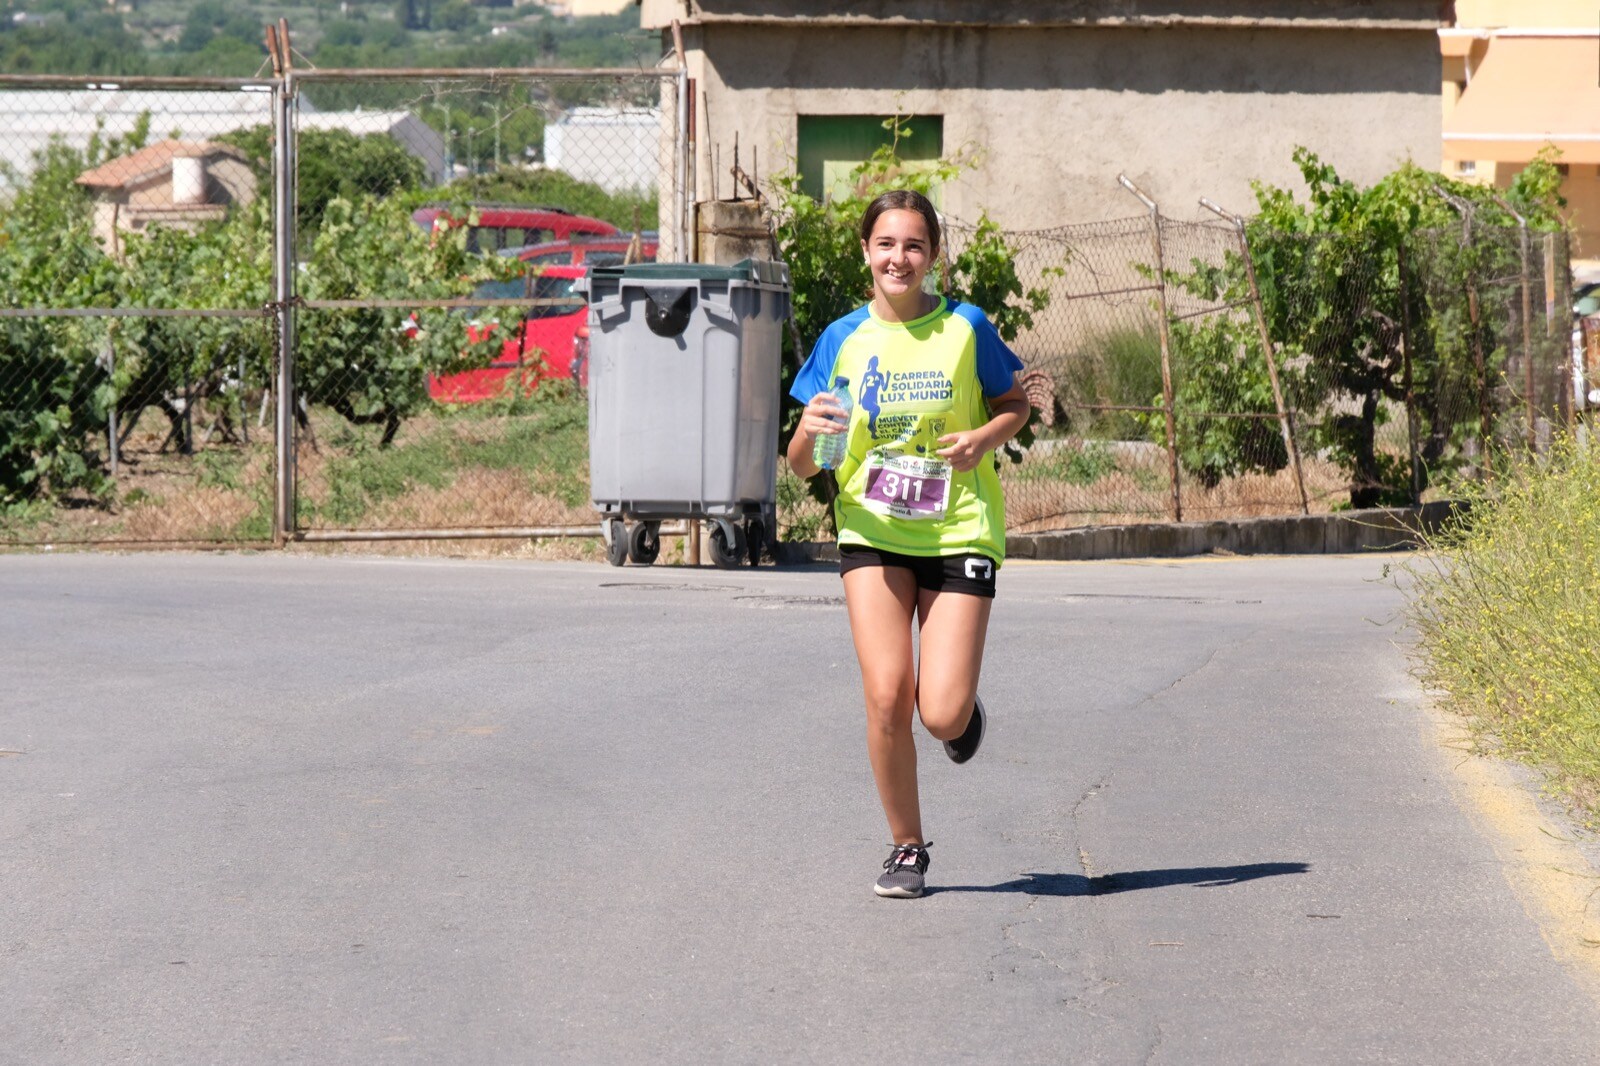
1576 397
1529 407
1166 344
1480 362
1285 423
111 408
684 197
1527 336
1485 416
283 517
1552 322
1407 378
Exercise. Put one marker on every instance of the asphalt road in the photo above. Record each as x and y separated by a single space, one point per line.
263 809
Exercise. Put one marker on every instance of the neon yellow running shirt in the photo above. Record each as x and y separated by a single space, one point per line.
913 383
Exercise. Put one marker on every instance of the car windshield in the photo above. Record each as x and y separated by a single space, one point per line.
501 290
545 287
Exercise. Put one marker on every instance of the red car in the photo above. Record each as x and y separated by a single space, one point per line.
592 251
513 225
551 342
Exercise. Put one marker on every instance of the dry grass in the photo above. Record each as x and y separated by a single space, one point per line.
1138 490
1508 609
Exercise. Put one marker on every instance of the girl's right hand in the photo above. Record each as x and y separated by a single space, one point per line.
823 415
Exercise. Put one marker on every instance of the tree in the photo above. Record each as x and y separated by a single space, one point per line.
456 16
1330 275
334 164
55 388
371 364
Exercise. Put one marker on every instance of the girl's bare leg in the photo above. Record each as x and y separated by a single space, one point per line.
882 602
954 626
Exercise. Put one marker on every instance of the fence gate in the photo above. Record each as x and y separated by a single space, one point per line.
438 348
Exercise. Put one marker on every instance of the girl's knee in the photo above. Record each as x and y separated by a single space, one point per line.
889 708
944 719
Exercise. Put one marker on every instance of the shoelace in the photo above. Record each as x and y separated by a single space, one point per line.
915 855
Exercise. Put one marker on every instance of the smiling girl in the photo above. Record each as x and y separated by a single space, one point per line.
919 511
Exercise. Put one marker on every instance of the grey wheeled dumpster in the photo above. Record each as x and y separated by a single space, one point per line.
684 396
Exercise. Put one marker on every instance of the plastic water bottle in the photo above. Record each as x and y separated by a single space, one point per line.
829 449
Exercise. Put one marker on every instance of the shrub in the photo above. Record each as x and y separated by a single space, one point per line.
1507 608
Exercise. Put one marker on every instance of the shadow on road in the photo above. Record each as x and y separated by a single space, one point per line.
1132 880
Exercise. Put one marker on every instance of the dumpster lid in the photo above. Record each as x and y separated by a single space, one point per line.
763 271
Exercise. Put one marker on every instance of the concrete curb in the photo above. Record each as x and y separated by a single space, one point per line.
1378 529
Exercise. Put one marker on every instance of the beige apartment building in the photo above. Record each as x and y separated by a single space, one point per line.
1518 75
1055 98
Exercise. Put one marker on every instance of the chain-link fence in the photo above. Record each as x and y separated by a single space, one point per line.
182 360
440 348
401 353
1200 370
135 358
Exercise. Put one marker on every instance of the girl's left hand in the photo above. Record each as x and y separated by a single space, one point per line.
965 450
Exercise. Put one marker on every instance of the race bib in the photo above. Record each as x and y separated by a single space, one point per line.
907 486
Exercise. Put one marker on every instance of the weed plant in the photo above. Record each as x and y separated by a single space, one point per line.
1081 466
1507 605
1118 367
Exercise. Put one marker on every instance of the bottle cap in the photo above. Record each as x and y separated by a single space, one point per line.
841 381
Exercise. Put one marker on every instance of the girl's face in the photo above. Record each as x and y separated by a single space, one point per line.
899 254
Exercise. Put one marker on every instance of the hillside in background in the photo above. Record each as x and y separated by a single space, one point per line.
224 37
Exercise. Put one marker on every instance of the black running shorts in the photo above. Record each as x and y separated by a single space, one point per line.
972 573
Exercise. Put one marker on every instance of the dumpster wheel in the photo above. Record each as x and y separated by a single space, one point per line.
755 538
644 543
616 543
727 545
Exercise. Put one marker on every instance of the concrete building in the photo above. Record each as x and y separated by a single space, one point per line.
1056 97
31 118
617 148
170 183
1519 75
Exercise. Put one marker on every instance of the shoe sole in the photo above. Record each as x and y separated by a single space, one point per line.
983 727
896 893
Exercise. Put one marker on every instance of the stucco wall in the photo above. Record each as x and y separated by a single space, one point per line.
1545 13
1058 112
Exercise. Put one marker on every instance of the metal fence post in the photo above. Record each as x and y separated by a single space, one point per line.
1527 333
1528 403
1408 381
1285 421
1480 361
283 518
1166 344
685 195
1465 209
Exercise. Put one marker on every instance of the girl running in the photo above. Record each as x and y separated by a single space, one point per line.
919 511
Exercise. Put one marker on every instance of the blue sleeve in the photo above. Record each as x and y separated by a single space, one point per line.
997 363
817 373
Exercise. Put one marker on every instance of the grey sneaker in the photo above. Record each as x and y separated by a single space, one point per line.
903 870
965 746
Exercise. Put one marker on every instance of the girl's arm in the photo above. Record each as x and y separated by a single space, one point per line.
1008 414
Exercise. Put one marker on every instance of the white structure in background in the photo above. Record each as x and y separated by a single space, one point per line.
414 135
582 8
617 148
29 118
